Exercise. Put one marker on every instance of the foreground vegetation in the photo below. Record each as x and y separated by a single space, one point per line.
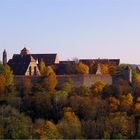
42 112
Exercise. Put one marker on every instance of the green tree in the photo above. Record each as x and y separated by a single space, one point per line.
50 80
13 124
9 78
68 86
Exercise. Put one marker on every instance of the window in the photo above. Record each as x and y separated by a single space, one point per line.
30 70
35 71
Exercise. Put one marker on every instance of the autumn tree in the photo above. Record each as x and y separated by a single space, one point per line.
26 85
50 80
120 127
2 84
1 68
114 103
13 124
97 88
42 67
137 105
68 85
136 85
82 68
46 130
9 77
104 68
89 129
70 126
126 102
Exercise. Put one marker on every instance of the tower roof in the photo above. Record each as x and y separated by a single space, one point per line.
24 51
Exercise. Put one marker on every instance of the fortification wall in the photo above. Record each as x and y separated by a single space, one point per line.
78 80
84 80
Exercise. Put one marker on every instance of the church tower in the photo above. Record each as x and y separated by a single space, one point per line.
4 57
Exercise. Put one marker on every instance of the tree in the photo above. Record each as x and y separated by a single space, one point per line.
13 124
26 85
1 68
137 105
2 84
119 125
70 126
136 85
68 85
89 129
114 103
82 68
97 88
104 68
9 77
46 130
126 102
42 67
50 80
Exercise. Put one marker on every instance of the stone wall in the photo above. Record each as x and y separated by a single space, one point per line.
78 80
86 80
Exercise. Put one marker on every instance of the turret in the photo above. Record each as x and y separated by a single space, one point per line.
4 57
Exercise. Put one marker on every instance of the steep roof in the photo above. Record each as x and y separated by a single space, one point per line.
20 63
48 59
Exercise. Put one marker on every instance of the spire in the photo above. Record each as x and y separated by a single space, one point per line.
4 57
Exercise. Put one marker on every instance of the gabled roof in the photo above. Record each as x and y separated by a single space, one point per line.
20 63
48 59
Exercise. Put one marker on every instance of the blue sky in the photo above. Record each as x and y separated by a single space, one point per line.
72 28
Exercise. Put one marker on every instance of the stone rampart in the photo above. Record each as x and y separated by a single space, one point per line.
78 80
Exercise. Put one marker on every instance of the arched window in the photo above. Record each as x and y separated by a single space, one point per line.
35 71
30 70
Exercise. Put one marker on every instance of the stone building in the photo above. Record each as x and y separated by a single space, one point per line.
28 64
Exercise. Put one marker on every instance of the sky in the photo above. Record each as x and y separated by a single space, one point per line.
72 28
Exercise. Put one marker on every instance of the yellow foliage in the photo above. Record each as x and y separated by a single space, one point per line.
98 87
82 68
42 67
2 84
127 99
70 126
47 130
50 80
137 80
8 75
104 68
137 107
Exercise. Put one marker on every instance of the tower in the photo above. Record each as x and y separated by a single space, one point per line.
4 57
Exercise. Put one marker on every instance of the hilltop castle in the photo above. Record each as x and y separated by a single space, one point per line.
27 63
